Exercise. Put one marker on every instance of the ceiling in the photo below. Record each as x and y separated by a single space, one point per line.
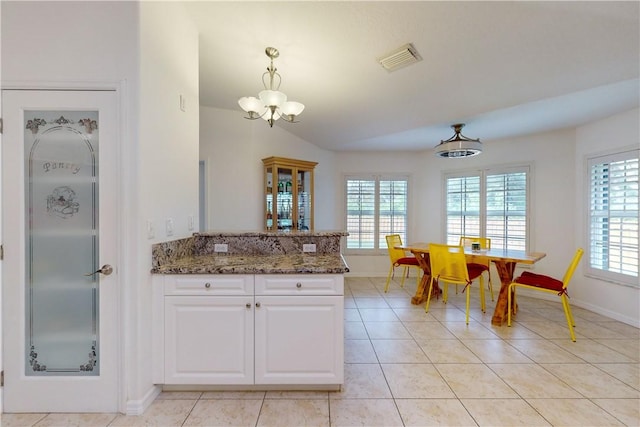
504 68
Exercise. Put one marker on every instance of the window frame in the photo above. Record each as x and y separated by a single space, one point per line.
377 177
589 271
527 168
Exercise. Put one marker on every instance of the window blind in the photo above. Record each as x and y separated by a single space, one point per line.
613 215
361 197
393 210
463 207
506 204
489 203
376 206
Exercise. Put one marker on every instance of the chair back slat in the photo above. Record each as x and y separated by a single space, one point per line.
572 268
394 240
448 263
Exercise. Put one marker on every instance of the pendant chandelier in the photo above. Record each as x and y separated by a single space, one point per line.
271 104
458 145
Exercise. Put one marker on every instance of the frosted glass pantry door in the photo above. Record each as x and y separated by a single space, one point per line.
59 160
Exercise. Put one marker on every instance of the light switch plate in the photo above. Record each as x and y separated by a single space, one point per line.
221 247
151 232
309 247
169 225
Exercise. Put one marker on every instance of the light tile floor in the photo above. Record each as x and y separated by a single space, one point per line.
405 367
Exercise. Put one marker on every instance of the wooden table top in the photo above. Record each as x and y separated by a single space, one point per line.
505 255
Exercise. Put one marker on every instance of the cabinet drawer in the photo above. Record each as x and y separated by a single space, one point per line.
219 284
307 284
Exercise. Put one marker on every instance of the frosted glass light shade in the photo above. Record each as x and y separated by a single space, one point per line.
272 98
251 104
291 108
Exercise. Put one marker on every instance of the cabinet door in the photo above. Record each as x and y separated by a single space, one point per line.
304 199
208 340
299 340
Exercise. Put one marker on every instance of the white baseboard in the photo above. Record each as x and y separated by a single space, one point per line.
137 407
608 313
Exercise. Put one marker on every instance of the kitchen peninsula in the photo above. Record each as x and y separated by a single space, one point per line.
249 310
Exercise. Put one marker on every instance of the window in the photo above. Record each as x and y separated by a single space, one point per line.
376 206
613 217
490 203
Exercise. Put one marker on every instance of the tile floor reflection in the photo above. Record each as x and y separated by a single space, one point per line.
405 367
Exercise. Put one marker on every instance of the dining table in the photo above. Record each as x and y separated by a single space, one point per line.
505 261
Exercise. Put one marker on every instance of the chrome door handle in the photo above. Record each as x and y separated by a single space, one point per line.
106 270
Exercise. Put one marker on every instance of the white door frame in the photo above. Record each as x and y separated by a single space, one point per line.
124 193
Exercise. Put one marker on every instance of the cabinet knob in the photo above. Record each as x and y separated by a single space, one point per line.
248 305
207 285
258 304
298 285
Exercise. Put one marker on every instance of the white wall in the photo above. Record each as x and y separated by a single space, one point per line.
233 148
611 299
167 171
69 42
74 45
148 51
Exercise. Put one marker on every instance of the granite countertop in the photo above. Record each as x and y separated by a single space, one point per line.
256 264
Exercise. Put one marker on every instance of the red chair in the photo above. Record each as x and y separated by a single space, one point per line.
449 265
540 282
483 264
399 258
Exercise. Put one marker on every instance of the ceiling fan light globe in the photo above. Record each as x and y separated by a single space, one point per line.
458 149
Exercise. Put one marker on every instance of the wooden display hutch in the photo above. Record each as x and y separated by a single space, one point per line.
288 189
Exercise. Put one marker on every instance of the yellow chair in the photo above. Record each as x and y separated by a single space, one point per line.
485 265
399 258
449 265
540 282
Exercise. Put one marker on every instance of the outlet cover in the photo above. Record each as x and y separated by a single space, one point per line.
309 247
221 247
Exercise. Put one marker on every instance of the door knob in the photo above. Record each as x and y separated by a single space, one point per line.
106 270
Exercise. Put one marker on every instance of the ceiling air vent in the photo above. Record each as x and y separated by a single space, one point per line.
401 57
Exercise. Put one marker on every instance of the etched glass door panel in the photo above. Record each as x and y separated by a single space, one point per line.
304 200
285 199
61 150
60 184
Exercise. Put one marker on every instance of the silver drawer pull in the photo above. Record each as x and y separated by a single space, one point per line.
258 304
248 305
298 285
207 285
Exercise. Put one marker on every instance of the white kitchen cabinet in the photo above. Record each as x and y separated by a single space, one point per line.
208 329
208 340
299 340
249 330
299 329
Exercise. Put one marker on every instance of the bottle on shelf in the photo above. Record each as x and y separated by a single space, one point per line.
287 187
280 187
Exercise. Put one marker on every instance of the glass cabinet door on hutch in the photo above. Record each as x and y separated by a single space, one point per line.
288 185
